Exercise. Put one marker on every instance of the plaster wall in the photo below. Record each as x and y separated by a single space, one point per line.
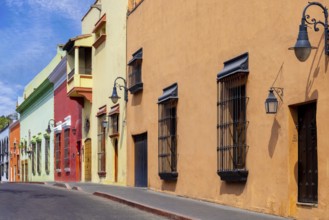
64 107
109 62
40 111
14 139
187 44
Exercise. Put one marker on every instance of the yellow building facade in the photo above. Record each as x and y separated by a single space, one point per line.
198 76
106 139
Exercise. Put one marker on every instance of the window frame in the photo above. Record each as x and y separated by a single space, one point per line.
101 148
167 134
135 72
38 156
58 152
66 140
47 154
232 128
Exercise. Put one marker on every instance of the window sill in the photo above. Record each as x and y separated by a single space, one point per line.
67 170
102 174
99 41
136 88
169 176
114 135
307 204
233 175
58 170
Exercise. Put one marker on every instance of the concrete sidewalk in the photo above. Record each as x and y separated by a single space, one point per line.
171 206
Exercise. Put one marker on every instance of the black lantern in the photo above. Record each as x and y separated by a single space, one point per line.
114 97
48 130
303 47
271 103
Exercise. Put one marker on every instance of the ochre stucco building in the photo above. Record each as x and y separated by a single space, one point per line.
197 127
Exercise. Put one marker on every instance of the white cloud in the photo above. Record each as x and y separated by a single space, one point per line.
8 97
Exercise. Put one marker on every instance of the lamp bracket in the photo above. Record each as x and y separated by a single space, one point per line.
315 22
124 86
278 91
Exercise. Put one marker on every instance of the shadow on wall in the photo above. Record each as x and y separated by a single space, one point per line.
168 186
274 137
232 188
136 99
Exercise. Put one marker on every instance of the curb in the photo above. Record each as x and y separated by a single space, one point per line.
146 208
77 188
62 185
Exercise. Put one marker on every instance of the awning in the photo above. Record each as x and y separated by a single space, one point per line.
114 110
138 55
171 92
101 111
238 64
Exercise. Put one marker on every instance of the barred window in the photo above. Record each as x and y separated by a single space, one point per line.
101 146
58 152
33 158
232 127
39 157
47 155
67 149
135 72
114 121
167 133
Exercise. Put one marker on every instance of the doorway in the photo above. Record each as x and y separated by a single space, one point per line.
307 154
140 160
116 160
87 155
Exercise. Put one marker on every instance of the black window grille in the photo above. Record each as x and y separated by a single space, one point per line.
232 128
101 146
33 158
114 124
58 151
135 72
39 157
167 138
67 149
47 155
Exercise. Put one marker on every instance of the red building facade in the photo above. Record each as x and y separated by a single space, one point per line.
67 136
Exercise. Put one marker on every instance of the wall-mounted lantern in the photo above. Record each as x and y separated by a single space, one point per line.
48 130
271 103
114 97
303 47
104 124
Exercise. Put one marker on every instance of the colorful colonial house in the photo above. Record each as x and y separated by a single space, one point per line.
37 154
197 127
79 84
14 144
109 152
67 128
4 154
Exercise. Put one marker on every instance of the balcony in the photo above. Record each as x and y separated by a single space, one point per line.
79 67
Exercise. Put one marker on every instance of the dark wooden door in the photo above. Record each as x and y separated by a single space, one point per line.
88 160
307 154
141 160
116 161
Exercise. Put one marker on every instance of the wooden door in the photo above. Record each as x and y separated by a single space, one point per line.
141 160
307 154
116 161
87 160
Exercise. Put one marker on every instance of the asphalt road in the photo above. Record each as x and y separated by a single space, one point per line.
30 201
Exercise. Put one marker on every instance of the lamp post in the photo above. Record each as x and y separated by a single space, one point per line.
303 47
114 97
271 103
48 130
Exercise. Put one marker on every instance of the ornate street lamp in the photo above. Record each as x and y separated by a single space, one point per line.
303 47
114 97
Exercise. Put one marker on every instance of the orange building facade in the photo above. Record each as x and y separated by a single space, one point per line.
14 144
199 73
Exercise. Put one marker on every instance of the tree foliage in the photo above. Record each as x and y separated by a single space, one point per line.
4 121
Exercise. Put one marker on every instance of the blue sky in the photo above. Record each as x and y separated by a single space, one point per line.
30 31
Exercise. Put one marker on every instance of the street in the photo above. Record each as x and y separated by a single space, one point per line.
31 201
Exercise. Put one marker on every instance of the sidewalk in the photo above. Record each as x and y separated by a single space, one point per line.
171 206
